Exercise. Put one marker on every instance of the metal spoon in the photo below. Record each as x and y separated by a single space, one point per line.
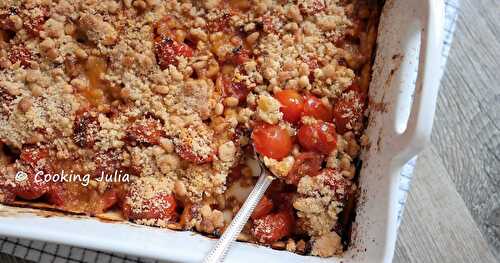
219 251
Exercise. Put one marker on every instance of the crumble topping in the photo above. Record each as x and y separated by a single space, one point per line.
168 92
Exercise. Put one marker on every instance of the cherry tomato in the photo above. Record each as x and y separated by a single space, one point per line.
272 141
356 88
315 108
308 163
239 56
292 105
235 89
263 208
55 195
161 206
167 50
320 137
85 129
146 132
348 111
273 227
32 155
185 151
32 188
22 55
337 183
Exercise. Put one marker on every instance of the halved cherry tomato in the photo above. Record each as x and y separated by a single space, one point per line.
348 111
161 206
264 207
273 227
314 107
272 141
320 137
308 163
292 105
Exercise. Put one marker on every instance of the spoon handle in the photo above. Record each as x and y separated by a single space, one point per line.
218 253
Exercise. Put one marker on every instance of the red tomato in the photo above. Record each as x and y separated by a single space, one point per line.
55 195
315 108
162 206
320 137
239 56
337 183
273 227
308 163
356 88
272 141
292 105
348 111
32 155
167 50
85 129
32 188
222 23
22 55
235 89
146 132
263 208
34 25
185 151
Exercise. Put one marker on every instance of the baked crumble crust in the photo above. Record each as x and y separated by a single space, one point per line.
168 91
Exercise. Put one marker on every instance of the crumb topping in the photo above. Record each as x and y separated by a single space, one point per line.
168 92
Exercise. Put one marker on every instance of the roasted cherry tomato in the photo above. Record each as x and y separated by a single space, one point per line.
273 227
185 151
239 56
146 132
348 111
235 89
315 108
272 141
292 105
167 50
337 183
264 207
320 137
32 155
22 55
161 206
308 163
31 188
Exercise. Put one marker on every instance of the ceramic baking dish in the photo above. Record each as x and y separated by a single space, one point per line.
402 103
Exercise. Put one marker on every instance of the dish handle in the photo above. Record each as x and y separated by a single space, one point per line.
417 134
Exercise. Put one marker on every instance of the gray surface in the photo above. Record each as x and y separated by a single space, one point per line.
464 159
456 194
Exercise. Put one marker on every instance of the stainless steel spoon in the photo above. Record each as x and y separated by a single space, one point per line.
219 251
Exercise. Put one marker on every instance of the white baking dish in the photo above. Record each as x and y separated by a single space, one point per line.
410 32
